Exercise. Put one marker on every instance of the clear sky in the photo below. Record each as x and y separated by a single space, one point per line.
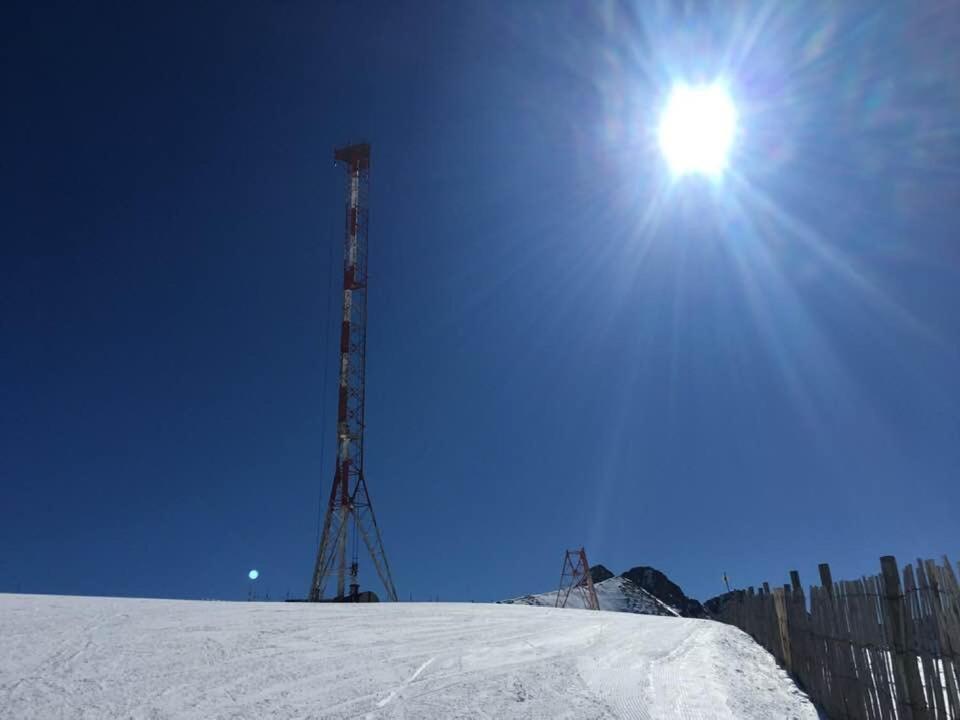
566 345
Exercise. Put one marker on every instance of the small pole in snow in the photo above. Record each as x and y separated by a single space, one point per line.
726 581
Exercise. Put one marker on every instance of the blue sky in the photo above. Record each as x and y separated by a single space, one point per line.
565 345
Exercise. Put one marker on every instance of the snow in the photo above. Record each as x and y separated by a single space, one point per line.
617 594
70 657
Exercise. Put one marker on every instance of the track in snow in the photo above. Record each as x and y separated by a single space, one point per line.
69 657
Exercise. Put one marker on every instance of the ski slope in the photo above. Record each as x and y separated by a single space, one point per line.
71 657
617 594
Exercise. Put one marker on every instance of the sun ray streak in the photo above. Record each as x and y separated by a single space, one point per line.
834 259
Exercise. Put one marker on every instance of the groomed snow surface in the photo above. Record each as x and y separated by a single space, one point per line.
71 657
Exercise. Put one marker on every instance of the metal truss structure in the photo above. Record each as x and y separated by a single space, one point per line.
575 577
349 518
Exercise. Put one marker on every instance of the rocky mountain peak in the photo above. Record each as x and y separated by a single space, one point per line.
661 587
598 573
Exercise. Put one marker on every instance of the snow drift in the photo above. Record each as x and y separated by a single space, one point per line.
69 657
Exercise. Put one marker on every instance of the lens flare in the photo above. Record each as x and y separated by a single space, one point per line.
697 129
253 574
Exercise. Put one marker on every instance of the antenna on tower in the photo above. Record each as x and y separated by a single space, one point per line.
575 577
349 518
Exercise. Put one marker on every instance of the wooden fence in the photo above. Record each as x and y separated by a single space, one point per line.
866 649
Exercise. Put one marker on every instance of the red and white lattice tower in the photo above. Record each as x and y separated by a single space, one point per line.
349 518
575 578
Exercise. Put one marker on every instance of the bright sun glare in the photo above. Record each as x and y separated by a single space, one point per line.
697 129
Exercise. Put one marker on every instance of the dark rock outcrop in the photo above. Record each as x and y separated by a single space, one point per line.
661 587
715 604
598 573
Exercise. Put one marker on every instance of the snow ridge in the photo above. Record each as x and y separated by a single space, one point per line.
618 594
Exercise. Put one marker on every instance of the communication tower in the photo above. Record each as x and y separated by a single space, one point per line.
349 518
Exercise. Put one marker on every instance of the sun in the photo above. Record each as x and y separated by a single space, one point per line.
697 129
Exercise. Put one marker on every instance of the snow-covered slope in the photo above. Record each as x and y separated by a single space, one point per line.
617 594
67 657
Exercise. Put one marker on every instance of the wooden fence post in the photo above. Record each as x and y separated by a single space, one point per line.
801 644
781 602
926 640
831 697
909 688
950 617
825 578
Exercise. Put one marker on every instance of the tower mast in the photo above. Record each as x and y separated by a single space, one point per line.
349 518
